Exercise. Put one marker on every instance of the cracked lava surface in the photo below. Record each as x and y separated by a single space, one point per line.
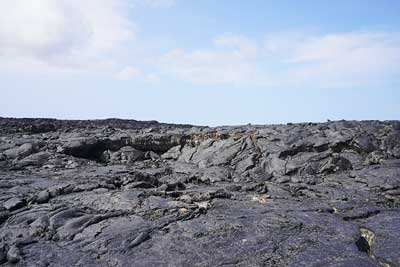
142 193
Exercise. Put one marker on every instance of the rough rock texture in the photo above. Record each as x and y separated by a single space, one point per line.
129 193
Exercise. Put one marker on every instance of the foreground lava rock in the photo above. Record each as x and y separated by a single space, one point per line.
130 193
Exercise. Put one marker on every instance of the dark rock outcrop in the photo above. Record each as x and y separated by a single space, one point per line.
129 193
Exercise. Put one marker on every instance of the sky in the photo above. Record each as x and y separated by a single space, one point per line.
203 62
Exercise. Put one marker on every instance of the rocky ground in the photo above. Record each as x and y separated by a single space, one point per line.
129 193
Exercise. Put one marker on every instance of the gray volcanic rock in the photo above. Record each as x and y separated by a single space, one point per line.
129 193
13 203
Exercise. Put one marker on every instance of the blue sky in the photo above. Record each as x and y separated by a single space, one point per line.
201 62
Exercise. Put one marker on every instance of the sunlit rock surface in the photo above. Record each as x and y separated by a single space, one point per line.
131 193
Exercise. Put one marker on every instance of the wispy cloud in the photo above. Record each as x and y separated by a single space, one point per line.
130 73
153 3
291 60
127 73
230 61
347 59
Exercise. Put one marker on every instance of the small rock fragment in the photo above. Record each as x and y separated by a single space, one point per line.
186 198
139 239
151 155
173 153
43 197
20 152
203 205
14 203
260 199
14 255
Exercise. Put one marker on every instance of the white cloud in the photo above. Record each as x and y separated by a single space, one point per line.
346 59
131 73
128 73
69 33
152 3
230 61
291 60
239 44
74 34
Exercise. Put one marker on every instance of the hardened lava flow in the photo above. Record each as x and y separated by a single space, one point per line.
142 193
